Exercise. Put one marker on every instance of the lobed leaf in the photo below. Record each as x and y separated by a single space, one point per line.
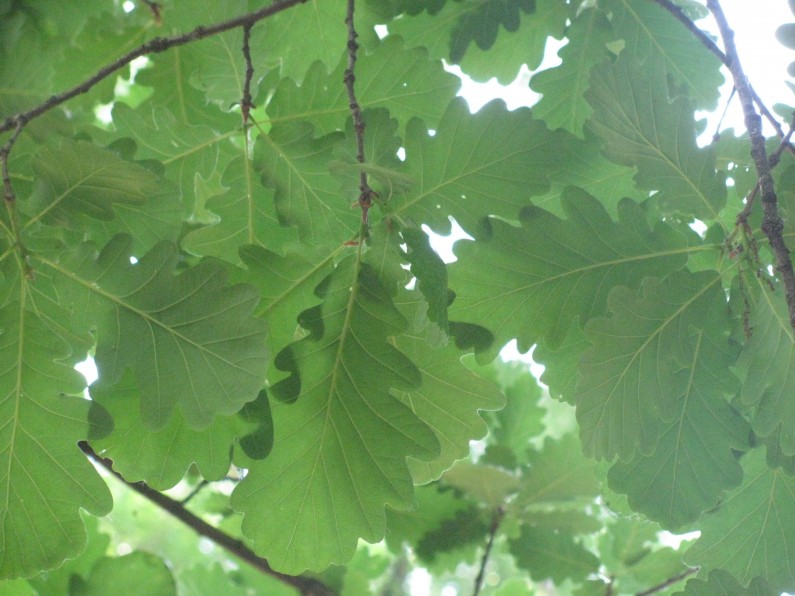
44 478
752 530
488 163
641 127
340 438
188 339
631 382
694 461
531 281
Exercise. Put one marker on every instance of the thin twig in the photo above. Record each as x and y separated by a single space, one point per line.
772 225
305 585
246 104
669 582
366 193
10 201
154 46
707 42
196 490
496 520
156 9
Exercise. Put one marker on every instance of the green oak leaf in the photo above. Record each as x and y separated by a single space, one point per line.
21 42
722 583
244 214
433 505
522 417
512 49
465 530
531 281
557 473
57 581
641 127
491 485
448 401
189 339
632 383
340 438
285 37
287 284
693 462
652 34
79 180
416 87
563 87
160 458
45 479
483 21
168 76
475 165
137 571
187 152
583 165
767 361
751 531
546 553
295 165
102 36
431 274
562 366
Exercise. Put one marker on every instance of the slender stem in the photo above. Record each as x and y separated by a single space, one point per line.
305 585
154 46
669 582
366 194
496 520
772 224
246 103
705 40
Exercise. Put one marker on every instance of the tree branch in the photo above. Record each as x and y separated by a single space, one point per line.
305 585
154 46
366 193
680 16
772 225
669 582
246 103
496 520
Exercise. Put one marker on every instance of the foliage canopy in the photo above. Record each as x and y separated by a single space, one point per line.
241 243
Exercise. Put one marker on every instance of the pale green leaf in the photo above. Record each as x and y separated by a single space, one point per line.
767 361
722 583
645 344
137 572
522 44
79 180
557 473
189 339
652 35
751 533
340 438
563 87
287 284
448 401
295 165
490 485
44 478
641 127
531 281
416 88
244 214
548 554
488 163
187 152
160 458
